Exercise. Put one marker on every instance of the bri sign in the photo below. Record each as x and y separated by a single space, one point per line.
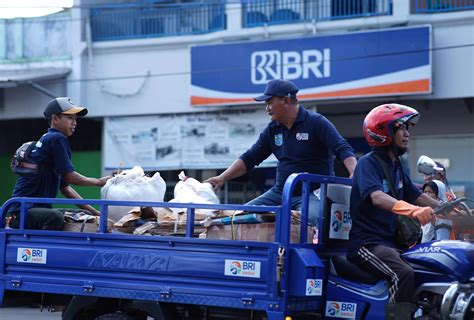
31 255
393 61
241 268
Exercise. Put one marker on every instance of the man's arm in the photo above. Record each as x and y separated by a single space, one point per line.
384 201
426 201
350 164
70 193
78 179
235 170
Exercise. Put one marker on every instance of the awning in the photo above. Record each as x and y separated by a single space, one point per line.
14 78
30 77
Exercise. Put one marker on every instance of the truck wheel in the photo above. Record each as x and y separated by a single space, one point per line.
115 316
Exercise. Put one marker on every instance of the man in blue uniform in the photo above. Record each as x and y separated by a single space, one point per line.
301 140
381 190
52 154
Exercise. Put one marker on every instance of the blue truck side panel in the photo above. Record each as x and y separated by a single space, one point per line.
277 277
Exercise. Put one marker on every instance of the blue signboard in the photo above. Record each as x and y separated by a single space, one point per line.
358 64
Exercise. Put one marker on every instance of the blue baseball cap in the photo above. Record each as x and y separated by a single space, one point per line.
278 88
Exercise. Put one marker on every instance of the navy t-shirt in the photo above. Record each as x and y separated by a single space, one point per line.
52 153
370 224
303 148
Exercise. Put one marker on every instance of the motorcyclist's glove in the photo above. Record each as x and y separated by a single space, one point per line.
423 214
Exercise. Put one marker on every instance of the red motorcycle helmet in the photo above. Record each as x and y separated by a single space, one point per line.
380 123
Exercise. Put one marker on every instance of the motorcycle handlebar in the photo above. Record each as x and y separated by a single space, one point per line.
447 207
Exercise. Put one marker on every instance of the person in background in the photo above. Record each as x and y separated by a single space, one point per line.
434 170
381 191
52 154
301 140
441 228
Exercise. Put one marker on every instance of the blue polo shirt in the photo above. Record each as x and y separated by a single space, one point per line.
52 153
303 148
370 224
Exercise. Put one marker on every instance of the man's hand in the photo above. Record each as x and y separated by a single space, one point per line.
423 214
103 180
93 211
216 182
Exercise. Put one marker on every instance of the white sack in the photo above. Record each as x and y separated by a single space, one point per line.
189 190
132 185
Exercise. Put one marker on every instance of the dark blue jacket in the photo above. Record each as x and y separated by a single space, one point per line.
306 147
371 225
52 153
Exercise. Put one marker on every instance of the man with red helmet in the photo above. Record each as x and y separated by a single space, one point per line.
374 207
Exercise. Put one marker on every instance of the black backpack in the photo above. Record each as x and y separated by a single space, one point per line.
21 163
408 231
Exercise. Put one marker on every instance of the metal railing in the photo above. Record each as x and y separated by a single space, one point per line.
262 12
35 39
434 6
146 20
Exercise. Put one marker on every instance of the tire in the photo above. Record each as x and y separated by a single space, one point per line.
115 316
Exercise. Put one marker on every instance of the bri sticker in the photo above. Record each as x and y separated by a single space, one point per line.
314 287
241 268
338 309
31 255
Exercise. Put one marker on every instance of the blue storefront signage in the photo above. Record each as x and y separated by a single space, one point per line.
358 64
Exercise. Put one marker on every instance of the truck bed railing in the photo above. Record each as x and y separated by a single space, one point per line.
268 276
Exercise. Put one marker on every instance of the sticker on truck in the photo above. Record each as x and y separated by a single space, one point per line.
241 268
341 309
31 255
314 287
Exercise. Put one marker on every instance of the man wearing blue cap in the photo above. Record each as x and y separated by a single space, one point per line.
301 140
54 170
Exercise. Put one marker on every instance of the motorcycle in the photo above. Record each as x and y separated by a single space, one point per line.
444 278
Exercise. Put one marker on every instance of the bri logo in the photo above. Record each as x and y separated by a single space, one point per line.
31 255
314 287
290 65
333 309
235 267
337 224
341 309
241 268
26 255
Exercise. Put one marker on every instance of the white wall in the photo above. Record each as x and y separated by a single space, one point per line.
164 90
454 67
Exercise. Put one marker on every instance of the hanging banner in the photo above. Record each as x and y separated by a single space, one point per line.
394 61
192 141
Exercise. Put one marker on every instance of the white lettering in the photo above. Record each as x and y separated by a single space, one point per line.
430 249
291 65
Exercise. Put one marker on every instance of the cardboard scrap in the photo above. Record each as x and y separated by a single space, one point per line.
261 232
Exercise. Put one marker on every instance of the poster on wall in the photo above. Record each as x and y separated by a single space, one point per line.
387 62
191 141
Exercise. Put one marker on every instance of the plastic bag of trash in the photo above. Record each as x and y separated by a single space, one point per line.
189 190
132 185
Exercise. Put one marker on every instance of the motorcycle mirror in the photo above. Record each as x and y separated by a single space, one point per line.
426 165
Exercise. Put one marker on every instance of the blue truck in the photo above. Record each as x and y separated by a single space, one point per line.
121 276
